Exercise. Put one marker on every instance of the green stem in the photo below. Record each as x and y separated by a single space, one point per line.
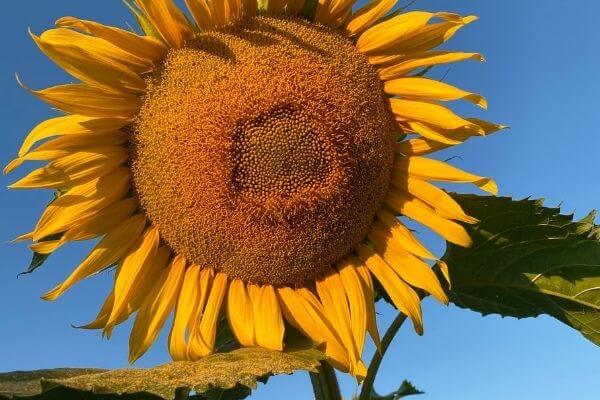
367 385
325 384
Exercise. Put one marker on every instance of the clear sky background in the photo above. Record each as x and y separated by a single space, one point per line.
542 77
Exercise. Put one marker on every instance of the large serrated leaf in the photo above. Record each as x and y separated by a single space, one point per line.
229 375
528 260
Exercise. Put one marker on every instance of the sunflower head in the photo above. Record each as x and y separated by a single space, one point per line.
247 165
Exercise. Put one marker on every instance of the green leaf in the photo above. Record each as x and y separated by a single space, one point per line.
223 376
528 260
405 389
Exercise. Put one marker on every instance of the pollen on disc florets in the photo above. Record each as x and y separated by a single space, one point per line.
264 149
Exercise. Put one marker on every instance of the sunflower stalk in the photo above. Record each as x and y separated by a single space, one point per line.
367 385
325 384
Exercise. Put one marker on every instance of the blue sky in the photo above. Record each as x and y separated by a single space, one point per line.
541 78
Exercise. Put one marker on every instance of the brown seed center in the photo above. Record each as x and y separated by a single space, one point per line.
264 150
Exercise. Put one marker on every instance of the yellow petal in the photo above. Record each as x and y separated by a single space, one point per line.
156 308
335 304
268 322
201 13
92 60
39 155
203 342
70 125
444 205
240 313
415 209
423 146
84 141
406 65
82 202
168 19
204 285
142 47
386 34
153 271
102 221
311 321
103 314
367 281
357 300
108 251
410 268
90 101
74 168
430 36
429 113
131 268
430 89
434 170
186 304
221 12
402 295
368 14
401 234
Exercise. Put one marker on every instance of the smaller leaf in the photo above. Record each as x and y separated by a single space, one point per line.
38 259
405 389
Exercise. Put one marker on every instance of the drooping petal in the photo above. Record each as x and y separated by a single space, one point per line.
268 321
151 276
203 342
153 313
108 251
403 296
204 287
168 19
311 321
240 313
335 304
130 270
367 281
357 300
186 304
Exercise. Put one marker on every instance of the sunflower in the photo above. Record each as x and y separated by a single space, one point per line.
251 167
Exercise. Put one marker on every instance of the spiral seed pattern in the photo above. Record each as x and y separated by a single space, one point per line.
264 149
